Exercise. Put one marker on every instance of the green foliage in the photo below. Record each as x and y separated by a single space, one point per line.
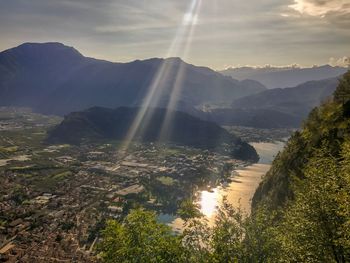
228 233
301 210
66 226
140 238
343 197
189 210
19 194
314 223
342 94
275 189
260 242
328 124
233 238
310 183
166 180
195 241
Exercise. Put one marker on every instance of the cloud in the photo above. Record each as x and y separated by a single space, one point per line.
321 8
333 12
340 62
266 66
226 32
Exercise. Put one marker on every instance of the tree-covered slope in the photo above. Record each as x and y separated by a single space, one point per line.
301 210
327 126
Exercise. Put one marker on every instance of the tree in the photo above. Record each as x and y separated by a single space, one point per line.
188 210
140 238
260 241
227 234
342 93
315 224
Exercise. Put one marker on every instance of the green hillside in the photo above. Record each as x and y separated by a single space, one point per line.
326 130
301 209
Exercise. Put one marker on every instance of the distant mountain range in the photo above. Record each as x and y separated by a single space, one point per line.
276 108
273 77
54 78
256 118
101 123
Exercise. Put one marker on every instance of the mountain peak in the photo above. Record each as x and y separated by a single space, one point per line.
67 81
47 44
175 59
49 50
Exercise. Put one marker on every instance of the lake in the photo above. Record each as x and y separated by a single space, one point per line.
239 191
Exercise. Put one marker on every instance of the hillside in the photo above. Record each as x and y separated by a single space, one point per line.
53 78
274 77
297 100
302 205
276 108
327 126
257 118
301 209
102 123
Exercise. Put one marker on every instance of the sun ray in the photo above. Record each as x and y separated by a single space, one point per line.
177 87
183 35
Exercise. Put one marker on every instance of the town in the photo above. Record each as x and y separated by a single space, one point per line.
55 199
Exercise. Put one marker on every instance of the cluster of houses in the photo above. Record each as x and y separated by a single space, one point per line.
63 224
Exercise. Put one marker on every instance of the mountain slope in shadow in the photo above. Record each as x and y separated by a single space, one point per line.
56 79
101 123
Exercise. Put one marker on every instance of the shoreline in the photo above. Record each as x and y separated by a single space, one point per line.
240 188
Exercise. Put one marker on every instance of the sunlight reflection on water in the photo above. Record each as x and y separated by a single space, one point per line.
209 201
241 190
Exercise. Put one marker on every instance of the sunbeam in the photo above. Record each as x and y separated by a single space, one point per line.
179 47
177 87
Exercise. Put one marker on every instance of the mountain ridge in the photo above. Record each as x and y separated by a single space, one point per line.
275 77
276 108
56 79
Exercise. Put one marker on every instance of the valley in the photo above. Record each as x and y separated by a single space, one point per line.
66 179
60 194
180 131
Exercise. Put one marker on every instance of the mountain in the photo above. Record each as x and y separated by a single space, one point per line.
325 132
301 209
183 129
276 108
54 78
257 118
297 100
273 77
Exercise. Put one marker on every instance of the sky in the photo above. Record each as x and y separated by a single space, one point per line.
213 33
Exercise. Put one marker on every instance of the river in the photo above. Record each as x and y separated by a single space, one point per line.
240 190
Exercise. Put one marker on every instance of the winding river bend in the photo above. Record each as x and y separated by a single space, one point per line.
241 190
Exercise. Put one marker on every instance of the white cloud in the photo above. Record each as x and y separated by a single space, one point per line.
340 62
226 31
321 7
266 66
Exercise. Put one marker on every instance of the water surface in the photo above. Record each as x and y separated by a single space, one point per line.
240 190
